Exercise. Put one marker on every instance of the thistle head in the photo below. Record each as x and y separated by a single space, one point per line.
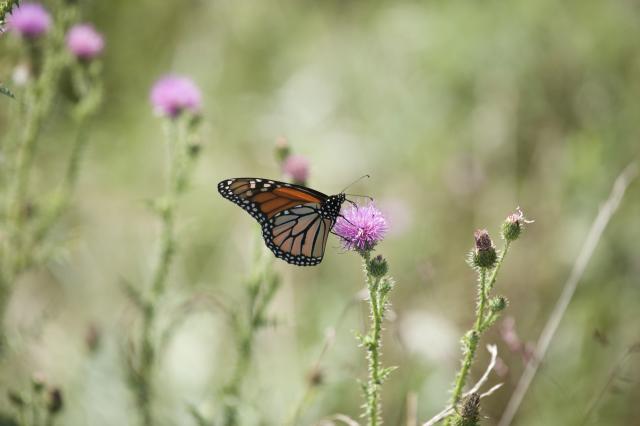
29 20
297 168
484 254
172 95
84 42
361 227
513 225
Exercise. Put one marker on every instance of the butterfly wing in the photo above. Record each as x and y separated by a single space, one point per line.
298 235
292 226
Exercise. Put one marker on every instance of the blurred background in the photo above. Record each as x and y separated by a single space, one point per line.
459 111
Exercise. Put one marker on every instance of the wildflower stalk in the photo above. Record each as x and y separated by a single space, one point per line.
179 165
487 262
373 345
261 288
378 285
16 252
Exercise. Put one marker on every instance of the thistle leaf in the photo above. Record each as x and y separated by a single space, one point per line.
5 91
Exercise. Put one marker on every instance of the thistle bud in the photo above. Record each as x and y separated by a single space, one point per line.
315 377
498 304
378 266
38 380
468 413
282 149
484 254
513 225
54 400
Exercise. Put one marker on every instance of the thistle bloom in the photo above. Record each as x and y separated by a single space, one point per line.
361 228
84 41
296 167
30 20
173 94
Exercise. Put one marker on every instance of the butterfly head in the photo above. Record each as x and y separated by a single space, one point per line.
332 206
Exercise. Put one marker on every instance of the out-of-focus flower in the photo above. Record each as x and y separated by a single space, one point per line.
297 168
173 94
361 228
30 20
21 75
84 41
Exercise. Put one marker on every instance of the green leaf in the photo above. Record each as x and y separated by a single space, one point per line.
384 374
5 91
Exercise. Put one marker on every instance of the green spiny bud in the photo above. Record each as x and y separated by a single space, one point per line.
498 304
378 266
38 381
468 413
484 254
513 225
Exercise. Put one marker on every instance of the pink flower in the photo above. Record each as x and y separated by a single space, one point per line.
30 20
361 228
296 167
173 94
84 41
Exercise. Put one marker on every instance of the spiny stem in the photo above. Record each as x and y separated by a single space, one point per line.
470 341
494 274
373 344
177 175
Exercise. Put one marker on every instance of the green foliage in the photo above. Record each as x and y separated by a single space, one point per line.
6 91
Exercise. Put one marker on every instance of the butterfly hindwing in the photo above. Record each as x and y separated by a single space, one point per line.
298 235
295 220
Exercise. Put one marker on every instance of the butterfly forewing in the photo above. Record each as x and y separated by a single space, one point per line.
295 220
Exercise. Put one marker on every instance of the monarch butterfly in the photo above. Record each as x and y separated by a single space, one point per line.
295 220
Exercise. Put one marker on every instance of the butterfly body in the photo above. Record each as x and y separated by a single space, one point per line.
295 220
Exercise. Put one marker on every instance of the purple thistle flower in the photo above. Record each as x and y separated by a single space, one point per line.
361 228
173 94
30 20
84 41
296 167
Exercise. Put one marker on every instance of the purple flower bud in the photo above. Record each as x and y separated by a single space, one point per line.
84 41
30 20
484 254
361 228
297 168
173 94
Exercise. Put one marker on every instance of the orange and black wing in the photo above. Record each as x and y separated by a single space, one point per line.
298 235
289 214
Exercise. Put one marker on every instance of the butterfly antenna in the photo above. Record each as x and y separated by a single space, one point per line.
354 182
358 195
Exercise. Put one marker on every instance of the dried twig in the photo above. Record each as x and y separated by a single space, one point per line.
493 350
597 228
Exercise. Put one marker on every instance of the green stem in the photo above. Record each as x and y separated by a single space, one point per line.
373 343
177 175
261 289
482 322
471 341
494 274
